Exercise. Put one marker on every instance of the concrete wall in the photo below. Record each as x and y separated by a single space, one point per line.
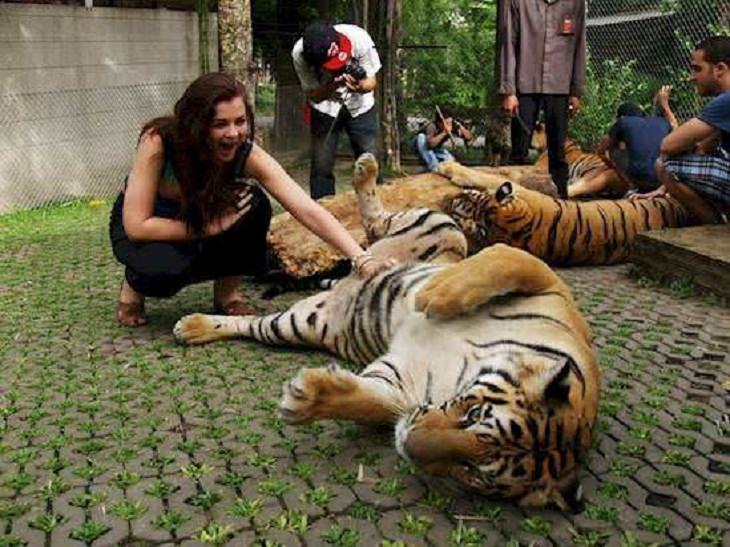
76 85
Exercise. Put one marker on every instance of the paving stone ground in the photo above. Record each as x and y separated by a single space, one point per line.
117 436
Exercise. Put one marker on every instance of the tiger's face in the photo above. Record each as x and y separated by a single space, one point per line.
509 435
487 218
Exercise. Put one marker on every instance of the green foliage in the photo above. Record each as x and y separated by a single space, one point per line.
46 522
89 531
291 521
659 524
466 536
215 533
461 73
361 510
170 521
608 84
246 508
265 95
128 510
337 535
319 496
705 534
415 525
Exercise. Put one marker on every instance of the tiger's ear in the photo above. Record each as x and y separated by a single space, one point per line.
504 191
548 383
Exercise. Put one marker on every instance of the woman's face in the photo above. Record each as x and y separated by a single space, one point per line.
228 129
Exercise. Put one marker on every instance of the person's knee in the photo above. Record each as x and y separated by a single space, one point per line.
668 174
156 283
420 143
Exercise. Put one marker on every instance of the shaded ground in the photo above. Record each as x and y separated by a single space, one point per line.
109 435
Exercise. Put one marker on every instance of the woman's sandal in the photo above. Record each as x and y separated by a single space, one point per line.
131 314
234 307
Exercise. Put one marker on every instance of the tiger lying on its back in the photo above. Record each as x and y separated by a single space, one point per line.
485 365
561 232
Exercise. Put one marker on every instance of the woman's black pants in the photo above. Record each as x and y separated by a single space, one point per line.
161 268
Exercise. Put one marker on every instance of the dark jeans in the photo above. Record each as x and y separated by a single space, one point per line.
361 131
556 126
162 268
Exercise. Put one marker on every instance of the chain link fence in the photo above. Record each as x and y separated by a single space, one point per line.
78 143
77 85
60 145
654 38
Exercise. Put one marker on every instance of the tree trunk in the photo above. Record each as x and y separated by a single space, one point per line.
235 42
385 20
290 130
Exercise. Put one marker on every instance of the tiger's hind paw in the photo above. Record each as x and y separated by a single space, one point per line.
312 394
454 171
197 328
366 170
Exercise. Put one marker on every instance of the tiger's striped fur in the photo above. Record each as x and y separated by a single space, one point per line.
580 164
484 364
560 232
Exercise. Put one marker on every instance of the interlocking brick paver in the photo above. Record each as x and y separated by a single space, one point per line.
114 434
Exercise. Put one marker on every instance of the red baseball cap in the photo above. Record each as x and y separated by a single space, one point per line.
339 59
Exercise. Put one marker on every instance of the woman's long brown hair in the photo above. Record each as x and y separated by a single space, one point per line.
206 188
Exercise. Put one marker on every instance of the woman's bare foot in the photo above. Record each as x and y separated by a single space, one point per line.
130 307
227 298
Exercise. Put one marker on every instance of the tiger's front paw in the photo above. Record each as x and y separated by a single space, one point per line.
449 294
312 394
196 328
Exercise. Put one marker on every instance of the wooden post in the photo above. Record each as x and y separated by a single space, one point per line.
387 29
235 41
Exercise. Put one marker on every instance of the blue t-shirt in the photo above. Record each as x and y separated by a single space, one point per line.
717 114
642 135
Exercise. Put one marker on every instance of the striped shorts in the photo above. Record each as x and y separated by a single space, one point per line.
707 174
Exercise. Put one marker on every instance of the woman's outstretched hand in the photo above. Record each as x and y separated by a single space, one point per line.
366 265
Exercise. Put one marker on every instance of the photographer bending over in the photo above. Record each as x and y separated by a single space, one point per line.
336 65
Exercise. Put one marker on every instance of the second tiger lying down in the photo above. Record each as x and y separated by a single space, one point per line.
561 232
484 365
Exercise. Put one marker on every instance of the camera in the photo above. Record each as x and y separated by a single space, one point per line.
354 69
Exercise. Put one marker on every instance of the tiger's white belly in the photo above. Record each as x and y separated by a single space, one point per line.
439 358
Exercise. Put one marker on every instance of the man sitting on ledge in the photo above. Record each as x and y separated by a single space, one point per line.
694 166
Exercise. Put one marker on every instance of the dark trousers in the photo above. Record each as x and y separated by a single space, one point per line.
325 133
161 268
556 126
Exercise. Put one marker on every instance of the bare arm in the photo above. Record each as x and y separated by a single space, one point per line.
686 137
311 214
435 136
328 90
662 99
464 133
670 117
361 86
138 219
604 145
139 196
324 91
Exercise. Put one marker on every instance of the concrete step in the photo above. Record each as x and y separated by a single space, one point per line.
699 253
